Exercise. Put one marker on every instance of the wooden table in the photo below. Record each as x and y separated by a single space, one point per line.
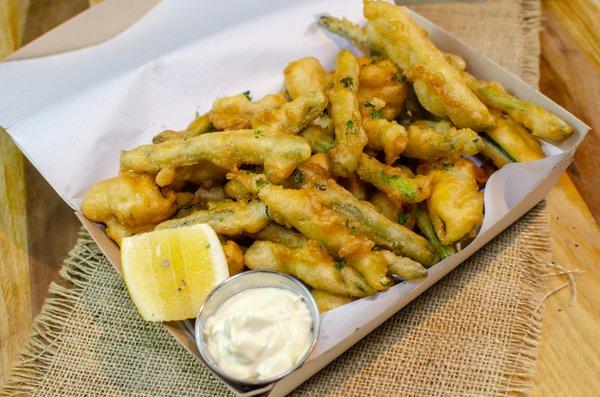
37 228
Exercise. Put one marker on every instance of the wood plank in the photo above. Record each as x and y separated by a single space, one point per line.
569 350
15 310
569 78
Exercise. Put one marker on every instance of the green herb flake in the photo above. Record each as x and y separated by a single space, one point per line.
260 183
376 115
350 126
399 77
447 166
196 114
258 134
207 246
402 218
247 95
298 179
340 265
347 82
369 104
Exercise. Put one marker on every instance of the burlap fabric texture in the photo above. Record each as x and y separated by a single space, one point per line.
474 333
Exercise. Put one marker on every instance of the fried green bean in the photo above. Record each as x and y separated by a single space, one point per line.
200 125
538 120
456 204
394 181
426 227
435 139
515 139
495 153
230 218
311 264
304 76
363 218
306 213
393 210
403 267
327 301
276 233
438 85
204 172
350 137
363 36
293 116
243 185
387 136
235 112
279 153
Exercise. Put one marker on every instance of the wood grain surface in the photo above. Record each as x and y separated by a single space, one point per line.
32 246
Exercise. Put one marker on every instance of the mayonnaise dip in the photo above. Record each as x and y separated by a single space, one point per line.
259 333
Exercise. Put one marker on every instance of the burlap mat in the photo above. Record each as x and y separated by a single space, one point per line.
474 333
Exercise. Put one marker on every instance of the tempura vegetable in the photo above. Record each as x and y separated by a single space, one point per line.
538 120
393 210
204 172
132 198
362 36
431 140
382 84
319 139
438 85
117 231
362 217
304 211
309 263
304 76
234 256
495 153
350 137
426 227
394 181
235 112
279 153
200 125
230 218
293 116
282 235
327 301
515 139
387 136
455 205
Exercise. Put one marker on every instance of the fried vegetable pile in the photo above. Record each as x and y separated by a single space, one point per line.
350 180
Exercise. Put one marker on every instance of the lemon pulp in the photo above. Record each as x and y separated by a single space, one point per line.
170 272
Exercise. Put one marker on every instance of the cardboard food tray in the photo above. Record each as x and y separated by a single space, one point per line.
72 113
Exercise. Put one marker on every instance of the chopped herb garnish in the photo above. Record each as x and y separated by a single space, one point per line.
258 133
260 183
247 95
402 218
375 114
298 179
447 165
196 114
347 82
340 265
369 104
207 246
399 77
350 126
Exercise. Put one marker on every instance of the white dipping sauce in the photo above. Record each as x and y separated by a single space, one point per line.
259 333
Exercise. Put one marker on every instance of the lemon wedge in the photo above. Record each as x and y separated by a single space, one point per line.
170 272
